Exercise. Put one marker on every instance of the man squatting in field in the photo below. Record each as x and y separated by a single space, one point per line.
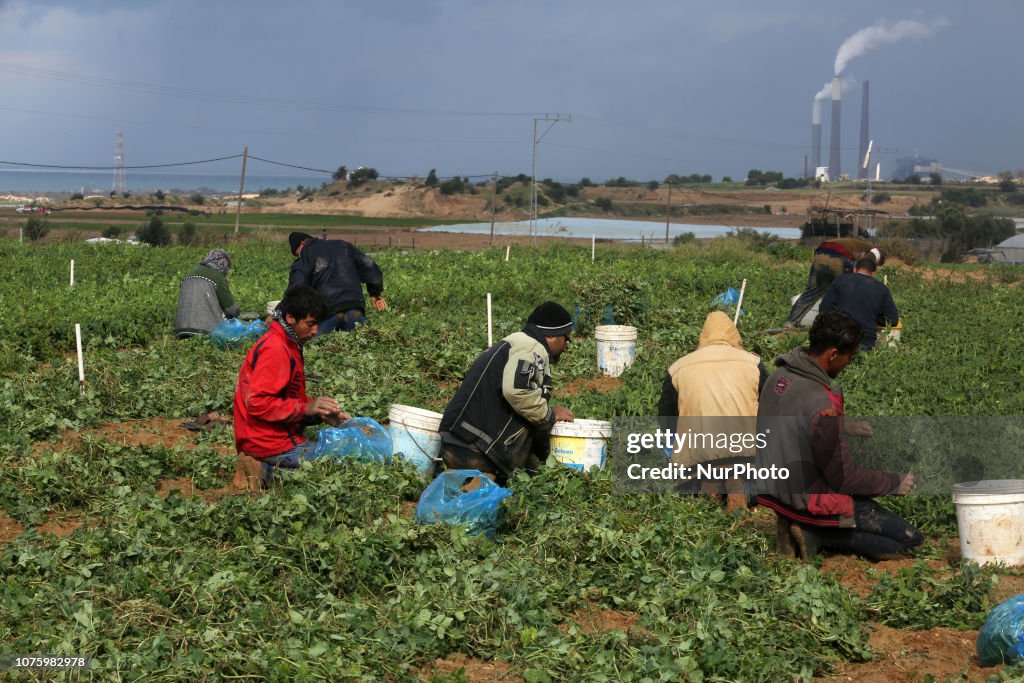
271 406
827 500
831 259
499 419
337 270
713 389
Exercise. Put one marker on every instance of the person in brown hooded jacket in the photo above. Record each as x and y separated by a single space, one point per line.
826 501
711 390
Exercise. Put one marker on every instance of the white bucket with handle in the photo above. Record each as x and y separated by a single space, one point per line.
990 519
581 444
616 348
415 434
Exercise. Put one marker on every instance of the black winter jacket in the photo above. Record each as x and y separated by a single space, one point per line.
336 269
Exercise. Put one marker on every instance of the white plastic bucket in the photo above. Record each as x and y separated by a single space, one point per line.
272 306
889 337
414 434
616 348
811 313
581 444
990 517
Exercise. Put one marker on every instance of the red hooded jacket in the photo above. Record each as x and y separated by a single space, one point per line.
270 399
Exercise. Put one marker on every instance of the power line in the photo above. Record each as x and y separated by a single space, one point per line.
67 167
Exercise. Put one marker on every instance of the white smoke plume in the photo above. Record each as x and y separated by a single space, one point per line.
826 91
883 33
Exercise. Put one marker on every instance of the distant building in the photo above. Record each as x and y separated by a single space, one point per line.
908 166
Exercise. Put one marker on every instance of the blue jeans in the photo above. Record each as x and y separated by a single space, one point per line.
879 534
289 460
344 321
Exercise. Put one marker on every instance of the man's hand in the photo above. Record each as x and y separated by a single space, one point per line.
859 428
563 414
326 409
907 484
379 304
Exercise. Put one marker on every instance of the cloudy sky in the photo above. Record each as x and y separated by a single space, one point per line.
652 86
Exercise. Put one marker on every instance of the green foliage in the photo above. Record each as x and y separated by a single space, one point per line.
683 238
621 182
361 176
36 228
159 195
965 196
756 177
340 174
916 598
880 197
604 203
77 195
187 235
111 231
197 198
452 186
154 232
935 178
431 180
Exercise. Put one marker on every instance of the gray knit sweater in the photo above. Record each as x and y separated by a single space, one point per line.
204 300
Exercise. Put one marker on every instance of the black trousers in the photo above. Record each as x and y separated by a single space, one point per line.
880 534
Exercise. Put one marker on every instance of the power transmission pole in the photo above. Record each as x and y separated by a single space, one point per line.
241 188
668 209
552 120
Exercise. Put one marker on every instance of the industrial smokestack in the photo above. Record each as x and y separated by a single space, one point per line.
834 167
815 136
862 171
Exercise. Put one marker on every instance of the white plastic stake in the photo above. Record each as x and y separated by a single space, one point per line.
593 247
81 364
743 288
72 272
885 280
508 248
490 334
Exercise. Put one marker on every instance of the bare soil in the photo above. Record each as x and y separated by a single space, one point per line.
186 487
155 431
475 670
601 385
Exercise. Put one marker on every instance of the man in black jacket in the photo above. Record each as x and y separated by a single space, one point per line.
337 271
499 419
865 298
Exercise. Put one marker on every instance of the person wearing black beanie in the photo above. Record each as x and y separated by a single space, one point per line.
337 270
500 419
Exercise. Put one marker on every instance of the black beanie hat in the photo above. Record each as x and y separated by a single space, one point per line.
297 238
551 319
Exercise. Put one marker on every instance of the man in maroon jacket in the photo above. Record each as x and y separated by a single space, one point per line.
826 502
271 406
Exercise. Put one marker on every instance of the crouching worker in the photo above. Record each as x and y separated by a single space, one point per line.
827 501
499 419
271 406
714 389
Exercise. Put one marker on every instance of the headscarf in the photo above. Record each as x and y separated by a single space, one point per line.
217 259
279 317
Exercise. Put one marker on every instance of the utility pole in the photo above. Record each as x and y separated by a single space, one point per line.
241 188
552 120
494 205
668 208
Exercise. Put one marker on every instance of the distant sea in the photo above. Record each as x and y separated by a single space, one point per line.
102 182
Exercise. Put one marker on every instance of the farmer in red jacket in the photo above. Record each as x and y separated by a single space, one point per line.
827 500
271 405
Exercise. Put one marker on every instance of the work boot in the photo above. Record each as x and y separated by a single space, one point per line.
783 539
805 542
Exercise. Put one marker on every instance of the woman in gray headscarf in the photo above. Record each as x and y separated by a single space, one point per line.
204 298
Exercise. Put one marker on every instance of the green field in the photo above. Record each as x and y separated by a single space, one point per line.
328 577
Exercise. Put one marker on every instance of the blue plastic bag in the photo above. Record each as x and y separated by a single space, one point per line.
445 501
228 333
729 297
361 438
1001 638
255 329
